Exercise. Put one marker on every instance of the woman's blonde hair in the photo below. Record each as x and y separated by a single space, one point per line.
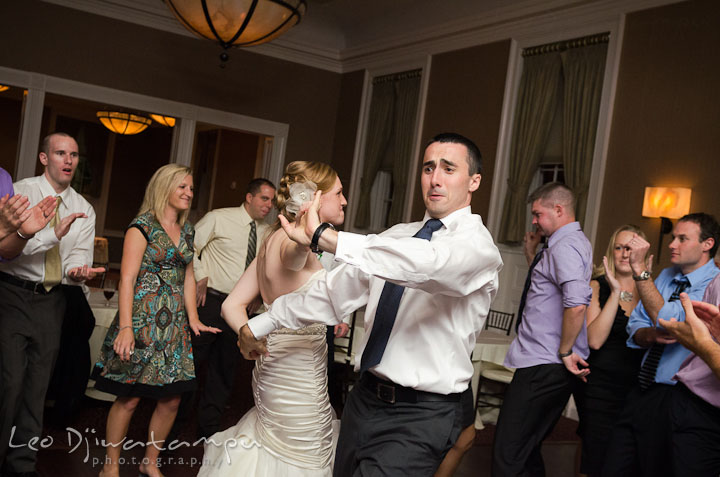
161 185
320 173
600 269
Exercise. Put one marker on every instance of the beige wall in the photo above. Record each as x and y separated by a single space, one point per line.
346 122
465 96
666 124
72 44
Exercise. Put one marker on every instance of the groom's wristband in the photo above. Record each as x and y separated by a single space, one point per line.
316 236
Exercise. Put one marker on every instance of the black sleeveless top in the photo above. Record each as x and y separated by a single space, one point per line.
614 365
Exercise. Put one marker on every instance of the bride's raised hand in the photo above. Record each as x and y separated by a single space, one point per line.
306 221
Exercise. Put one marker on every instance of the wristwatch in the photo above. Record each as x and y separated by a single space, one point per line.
643 276
564 355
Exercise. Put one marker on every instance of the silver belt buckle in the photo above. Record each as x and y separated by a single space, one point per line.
386 393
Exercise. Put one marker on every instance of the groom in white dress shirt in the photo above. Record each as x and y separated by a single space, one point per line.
405 413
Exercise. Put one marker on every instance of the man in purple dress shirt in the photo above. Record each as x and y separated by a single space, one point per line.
695 400
6 215
551 346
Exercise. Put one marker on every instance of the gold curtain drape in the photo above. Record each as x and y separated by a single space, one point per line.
574 68
376 145
584 69
539 88
391 127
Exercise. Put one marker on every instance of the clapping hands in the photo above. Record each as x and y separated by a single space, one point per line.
702 323
16 214
610 277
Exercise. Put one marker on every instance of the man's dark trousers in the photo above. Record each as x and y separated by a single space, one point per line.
216 357
30 328
532 405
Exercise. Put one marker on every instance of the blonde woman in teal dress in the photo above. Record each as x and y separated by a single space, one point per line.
147 351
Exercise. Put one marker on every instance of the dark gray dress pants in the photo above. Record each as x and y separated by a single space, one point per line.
30 326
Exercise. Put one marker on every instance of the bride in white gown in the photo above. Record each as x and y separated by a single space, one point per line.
291 431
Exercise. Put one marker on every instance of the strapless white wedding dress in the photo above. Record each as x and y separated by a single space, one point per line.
292 430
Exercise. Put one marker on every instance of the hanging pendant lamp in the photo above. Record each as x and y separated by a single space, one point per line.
123 123
238 22
168 121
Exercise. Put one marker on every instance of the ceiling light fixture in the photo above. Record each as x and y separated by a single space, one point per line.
123 123
168 121
238 22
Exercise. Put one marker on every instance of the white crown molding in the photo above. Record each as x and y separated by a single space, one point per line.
528 18
309 55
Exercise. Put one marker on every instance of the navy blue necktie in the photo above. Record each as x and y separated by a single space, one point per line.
646 377
387 309
526 287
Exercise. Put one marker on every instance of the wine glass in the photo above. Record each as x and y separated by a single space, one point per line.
109 290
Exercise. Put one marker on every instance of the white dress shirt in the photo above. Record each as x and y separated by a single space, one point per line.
221 244
450 283
76 248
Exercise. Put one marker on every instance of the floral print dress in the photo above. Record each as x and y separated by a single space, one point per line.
162 364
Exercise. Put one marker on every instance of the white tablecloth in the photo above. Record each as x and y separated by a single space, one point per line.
104 316
491 347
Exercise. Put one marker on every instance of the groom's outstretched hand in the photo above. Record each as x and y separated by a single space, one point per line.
250 347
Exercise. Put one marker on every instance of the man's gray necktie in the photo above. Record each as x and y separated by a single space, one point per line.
252 244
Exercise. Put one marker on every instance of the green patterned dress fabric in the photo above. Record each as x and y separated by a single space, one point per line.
162 363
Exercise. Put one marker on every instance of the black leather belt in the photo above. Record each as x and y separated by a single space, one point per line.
214 292
389 392
34 287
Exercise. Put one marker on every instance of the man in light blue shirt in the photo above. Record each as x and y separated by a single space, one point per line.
642 433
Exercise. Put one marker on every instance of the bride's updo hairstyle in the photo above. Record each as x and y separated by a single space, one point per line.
288 199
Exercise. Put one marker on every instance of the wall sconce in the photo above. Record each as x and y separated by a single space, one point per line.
666 203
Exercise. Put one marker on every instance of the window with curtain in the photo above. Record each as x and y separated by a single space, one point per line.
560 82
388 150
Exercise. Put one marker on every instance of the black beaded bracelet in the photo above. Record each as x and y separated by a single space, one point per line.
316 236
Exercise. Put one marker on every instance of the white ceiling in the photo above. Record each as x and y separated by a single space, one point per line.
342 34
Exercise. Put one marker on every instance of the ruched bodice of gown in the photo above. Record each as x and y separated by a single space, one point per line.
291 430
